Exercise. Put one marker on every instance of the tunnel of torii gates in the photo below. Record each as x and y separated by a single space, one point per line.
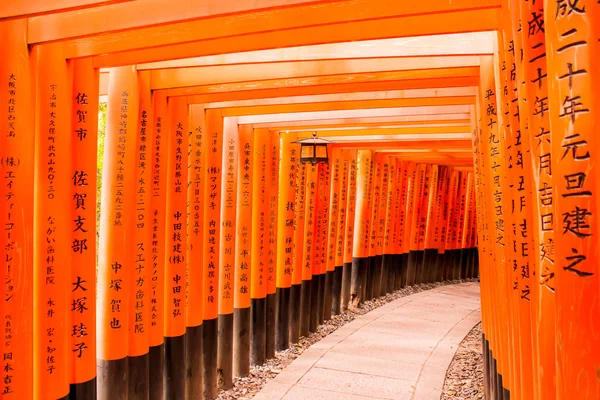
464 147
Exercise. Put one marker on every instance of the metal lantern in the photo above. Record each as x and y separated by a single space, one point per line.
314 150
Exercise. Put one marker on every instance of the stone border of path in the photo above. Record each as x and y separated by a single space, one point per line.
432 373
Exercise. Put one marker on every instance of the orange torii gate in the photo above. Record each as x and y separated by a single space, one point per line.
176 258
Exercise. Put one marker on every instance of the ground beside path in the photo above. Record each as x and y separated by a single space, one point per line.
464 379
400 350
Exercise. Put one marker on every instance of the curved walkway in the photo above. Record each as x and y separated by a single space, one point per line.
398 351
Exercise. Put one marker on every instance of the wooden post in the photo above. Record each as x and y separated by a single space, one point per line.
116 259
316 299
139 314
229 177
349 231
285 237
84 137
342 207
405 172
430 252
422 223
259 253
441 222
273 194
381 275
176 245
332 231
574 74
243 250
17 191
374 269
542 266
390 230
195 239
210 250
306 308
157 285
361 227
416 184
448 257
298 249
323 215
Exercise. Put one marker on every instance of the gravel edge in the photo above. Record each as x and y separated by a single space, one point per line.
464 377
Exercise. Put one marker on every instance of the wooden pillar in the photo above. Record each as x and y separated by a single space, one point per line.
349 231
542 266
342 207
360 251
139 314
374 200
298 252
389 273
229 177
243 251
116 257
176 245
260 247
316 299
212 238
381 275
441 222
16 216
405 171
273 194
324 184
422 223
429 252
285 237
306 308
573 45
196 201
416 184
84 139
464 239
332 231
157 285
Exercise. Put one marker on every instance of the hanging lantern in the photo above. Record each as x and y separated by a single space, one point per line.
314 150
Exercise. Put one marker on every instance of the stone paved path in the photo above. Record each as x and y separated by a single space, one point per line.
398 351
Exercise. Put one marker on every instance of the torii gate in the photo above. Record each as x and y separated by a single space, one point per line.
201 178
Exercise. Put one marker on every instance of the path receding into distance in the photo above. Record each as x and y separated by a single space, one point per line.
398 351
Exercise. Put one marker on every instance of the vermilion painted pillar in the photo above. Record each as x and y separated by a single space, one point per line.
306 306
416 183
212 241
84 139
157 266
342 207
381 275
440 226
229 177
16 209
273 193
324 194
116 257
316 296
332 231
285 236
260 247
539 140
195 240
360 251
298 253
405 170
176 247
374 269
390 274
429 252
573 45
243 251
349 231
139 297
